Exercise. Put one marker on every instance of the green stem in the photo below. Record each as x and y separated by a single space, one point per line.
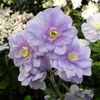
52 80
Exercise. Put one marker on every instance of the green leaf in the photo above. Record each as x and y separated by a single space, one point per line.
28 97
3 85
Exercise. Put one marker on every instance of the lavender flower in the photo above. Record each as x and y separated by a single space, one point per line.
91 29
35 77
72 94
75 63
52 31
21 51
76 93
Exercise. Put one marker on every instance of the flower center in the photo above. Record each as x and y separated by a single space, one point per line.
73 56
97 26
53 33
24 52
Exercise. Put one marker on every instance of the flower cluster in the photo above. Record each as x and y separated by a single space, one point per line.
11 23
49 41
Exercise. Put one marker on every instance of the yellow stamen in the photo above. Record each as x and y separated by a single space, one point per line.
24 52
73 56
97 26
53 34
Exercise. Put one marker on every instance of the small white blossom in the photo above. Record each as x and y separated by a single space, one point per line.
96 1
91 28
11 23
59 3
76 3
89 10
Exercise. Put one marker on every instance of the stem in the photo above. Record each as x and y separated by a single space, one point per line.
63 84
52 80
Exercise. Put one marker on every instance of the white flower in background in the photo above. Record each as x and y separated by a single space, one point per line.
59 3
76 3
11 23
91 28
90 10
96 1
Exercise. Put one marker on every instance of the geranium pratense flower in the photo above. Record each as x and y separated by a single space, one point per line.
91 29
75 63
52 31
35 77
21 51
